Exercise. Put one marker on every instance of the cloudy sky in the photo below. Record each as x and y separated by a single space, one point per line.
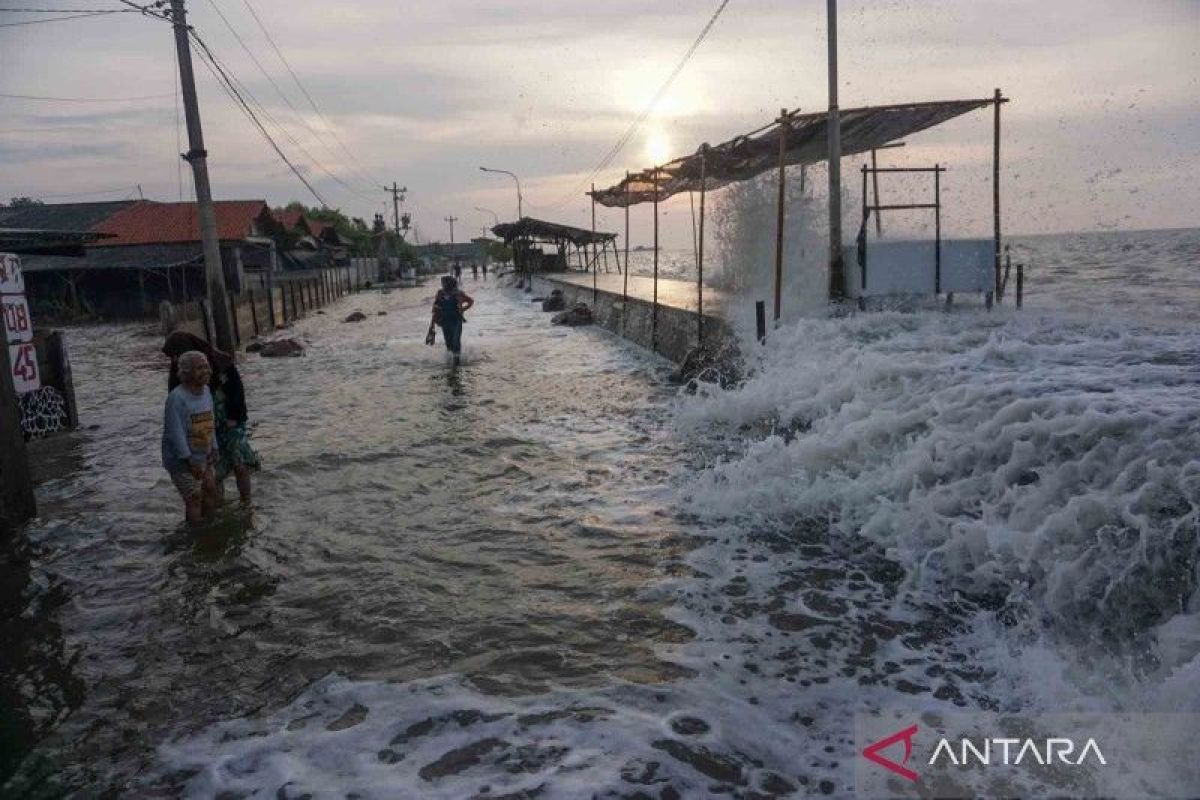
1103 130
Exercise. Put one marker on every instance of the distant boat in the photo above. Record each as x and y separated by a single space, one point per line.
641 248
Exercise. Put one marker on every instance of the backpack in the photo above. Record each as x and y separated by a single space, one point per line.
447 306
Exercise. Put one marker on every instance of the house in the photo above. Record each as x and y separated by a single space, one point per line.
150 252
310 235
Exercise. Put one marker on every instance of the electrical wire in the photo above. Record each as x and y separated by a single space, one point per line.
61 19
332 130
227 83
288 102
637 123
84 99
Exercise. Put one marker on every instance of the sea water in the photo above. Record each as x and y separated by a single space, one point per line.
653 593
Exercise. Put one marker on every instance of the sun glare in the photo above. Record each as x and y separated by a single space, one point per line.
658 147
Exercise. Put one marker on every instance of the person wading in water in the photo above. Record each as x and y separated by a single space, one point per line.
448 308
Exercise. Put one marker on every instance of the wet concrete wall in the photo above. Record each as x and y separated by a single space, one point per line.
677 329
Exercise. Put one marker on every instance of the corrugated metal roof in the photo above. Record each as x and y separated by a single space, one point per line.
62 216
746 156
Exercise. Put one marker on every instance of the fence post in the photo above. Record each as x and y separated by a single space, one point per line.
60 361
1020 284
253 310
760 321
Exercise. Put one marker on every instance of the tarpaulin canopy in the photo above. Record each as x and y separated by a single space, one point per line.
746 156
530 228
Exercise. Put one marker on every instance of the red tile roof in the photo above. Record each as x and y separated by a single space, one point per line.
291 220
172 223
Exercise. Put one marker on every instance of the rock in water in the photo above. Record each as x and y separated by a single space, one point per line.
554 302
254 347
381 313
357 316
719 363
579 314
282 348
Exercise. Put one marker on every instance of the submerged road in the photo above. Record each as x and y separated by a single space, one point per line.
496 520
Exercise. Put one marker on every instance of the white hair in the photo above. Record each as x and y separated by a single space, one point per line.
189 362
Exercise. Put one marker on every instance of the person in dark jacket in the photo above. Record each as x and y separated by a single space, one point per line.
448 308
236 456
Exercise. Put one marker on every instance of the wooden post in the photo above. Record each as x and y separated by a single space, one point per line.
17 503
875 194
1007 273
1020 284
937 229
862 257
595 256
303 305
233 319
654 311
700 249
56 353
253 310
783 131
760 321
996 188
270 281
625 280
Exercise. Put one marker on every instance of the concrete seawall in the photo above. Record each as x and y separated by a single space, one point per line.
633 318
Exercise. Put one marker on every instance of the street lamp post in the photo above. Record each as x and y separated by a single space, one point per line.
515 178
495 216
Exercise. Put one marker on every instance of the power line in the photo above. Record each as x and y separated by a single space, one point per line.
67 10
245 95
85 194
84 99
658 95
332 130
287 101
61 19
227 83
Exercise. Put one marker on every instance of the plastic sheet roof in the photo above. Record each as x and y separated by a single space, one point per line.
530 228
746 156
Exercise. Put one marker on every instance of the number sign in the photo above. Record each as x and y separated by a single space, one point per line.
23 358
17 321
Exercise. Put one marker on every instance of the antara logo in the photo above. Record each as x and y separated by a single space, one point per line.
872 753
986 752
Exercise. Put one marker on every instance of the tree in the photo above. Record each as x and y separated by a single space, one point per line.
23 202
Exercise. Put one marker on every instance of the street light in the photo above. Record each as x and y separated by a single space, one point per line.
515 178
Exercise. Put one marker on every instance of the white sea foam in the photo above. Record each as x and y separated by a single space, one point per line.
1049 463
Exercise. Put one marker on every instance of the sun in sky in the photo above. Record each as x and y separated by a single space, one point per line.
658 146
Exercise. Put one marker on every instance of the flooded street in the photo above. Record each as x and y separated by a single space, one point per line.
495 521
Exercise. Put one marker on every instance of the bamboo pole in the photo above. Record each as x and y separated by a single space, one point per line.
654 312
700 250
875 193
783 131
999 98
625 281
937 229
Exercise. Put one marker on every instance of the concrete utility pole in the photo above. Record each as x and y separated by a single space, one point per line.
397 193
197 156
837 273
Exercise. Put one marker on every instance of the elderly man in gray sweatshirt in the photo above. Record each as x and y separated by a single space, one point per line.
189 441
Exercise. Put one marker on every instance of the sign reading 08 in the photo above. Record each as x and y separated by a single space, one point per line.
18 325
